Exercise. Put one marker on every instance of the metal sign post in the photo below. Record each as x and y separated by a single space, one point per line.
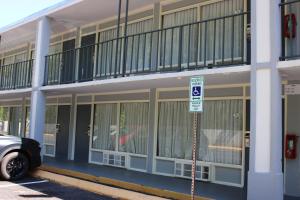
196 106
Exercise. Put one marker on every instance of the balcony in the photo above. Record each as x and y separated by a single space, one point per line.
211 43
16 76
290 16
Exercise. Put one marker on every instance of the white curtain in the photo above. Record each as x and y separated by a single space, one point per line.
231 28
9 60
133 132
171 37
15 58
105 127
20 57
7 73
107 53
55 48
216 39
139 46
174 130
138 49
4 114
220 133
54 63
27 122
15 121
22 70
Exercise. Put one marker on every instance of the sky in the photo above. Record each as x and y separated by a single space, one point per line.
14 10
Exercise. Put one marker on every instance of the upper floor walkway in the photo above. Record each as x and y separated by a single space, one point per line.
16 75
214 42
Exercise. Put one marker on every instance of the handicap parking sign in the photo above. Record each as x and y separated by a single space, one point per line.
196 94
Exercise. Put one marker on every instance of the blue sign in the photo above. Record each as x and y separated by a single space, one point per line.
196 91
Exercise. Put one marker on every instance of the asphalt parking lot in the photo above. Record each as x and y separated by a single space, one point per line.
32 188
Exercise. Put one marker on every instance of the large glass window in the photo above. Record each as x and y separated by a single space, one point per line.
138 54
219 39
139 46
133 128
229 39
127 134
174 130
107 65
15 121
50 129
27 122
171 37
15 58
9 60
105 127
220 132
20 57
4 114
11 120
54 63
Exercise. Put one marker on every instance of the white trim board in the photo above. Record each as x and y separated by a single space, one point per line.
288 64
15 91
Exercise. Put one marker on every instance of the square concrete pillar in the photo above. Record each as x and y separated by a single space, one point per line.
37 109
265 177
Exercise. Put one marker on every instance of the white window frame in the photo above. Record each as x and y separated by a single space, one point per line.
116 152
212 165
198 6
13 106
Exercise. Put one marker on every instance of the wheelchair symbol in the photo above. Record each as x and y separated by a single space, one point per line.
196 91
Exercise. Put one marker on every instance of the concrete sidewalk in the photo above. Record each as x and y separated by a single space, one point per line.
170 187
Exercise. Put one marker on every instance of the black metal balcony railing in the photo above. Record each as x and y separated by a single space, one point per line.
290 16
208 43
16 75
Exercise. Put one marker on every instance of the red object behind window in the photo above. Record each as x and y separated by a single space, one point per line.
290 24
290 146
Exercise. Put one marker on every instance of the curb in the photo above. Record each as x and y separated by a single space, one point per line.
78 176
100 189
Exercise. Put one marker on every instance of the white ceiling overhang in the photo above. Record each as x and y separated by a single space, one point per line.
65 16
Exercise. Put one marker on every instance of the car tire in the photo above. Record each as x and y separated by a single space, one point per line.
14 166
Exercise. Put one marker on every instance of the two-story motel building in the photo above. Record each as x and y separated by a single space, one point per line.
94 92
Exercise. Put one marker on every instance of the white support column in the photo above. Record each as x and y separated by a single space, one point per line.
37 113
265 177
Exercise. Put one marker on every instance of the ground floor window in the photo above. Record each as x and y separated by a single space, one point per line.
50 129
220 131
133 128
15 121
11 120
105 127
27 122
121 127
4 119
